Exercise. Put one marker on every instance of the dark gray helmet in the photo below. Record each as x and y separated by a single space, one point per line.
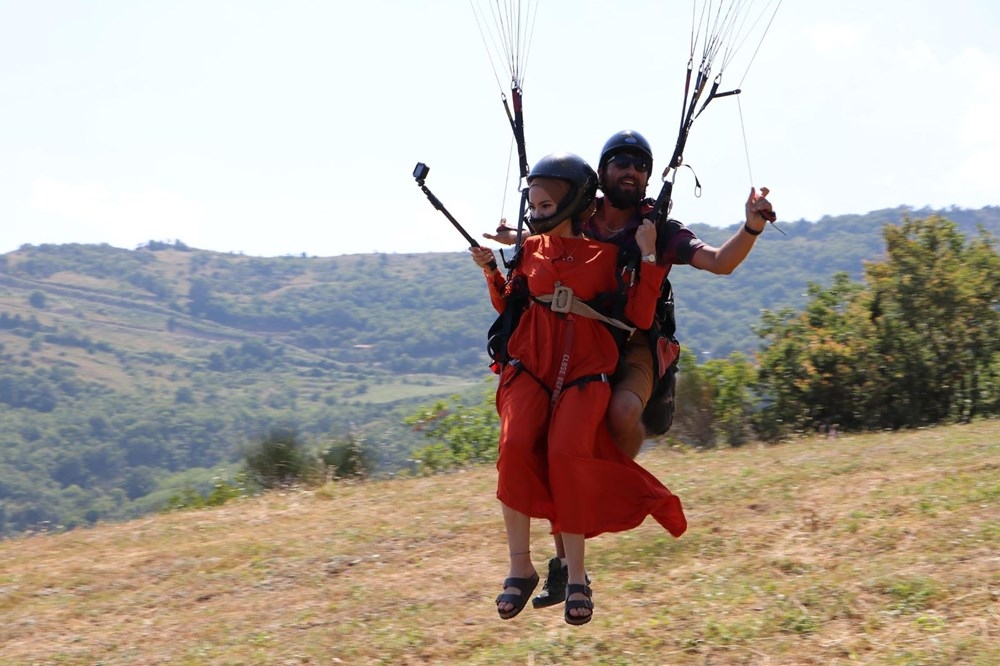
583 187
626 141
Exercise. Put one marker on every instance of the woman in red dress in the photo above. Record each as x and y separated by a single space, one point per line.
557 460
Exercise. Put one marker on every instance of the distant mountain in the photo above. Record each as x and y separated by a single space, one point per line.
129 374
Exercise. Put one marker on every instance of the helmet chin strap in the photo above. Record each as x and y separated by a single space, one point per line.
543 224
563 213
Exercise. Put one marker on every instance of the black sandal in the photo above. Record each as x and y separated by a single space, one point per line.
577 604
554 588
526 586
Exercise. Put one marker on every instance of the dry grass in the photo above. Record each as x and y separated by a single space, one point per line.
878 549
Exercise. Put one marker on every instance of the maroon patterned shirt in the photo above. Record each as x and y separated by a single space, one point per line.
678 248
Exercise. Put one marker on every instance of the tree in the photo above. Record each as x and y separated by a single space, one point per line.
919 343
934 306
138 482
814 363
463 434
184 395
731 381
349 457
278 459
694 415
199 296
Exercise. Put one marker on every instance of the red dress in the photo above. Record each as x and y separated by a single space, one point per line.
593 487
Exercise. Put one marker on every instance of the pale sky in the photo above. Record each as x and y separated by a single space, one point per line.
283 127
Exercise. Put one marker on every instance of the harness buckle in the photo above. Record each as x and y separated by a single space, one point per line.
562 299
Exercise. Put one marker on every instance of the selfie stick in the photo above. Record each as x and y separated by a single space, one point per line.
419 174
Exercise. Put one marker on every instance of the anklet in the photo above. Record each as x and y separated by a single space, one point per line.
523 552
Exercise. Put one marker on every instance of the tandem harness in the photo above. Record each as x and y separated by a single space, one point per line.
563 301
658 415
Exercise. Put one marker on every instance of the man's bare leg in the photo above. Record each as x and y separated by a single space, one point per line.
560 546
625 422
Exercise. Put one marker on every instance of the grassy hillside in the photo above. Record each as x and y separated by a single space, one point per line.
876 549
130 375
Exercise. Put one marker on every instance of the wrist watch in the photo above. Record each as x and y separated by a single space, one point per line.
649 258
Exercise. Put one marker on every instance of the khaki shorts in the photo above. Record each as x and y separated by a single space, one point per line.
638 378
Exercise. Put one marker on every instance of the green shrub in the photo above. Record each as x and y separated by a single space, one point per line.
462 434
279 460
222 492
348 458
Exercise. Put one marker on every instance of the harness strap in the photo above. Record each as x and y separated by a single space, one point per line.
586 379
518 368
564 361
563 300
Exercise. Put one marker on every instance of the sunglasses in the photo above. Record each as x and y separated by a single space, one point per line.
624 161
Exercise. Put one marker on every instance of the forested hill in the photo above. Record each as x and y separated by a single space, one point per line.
128 374
716 314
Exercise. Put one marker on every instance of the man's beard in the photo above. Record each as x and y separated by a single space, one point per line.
624 199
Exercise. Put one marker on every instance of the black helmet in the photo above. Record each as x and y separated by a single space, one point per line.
583 187
626 140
